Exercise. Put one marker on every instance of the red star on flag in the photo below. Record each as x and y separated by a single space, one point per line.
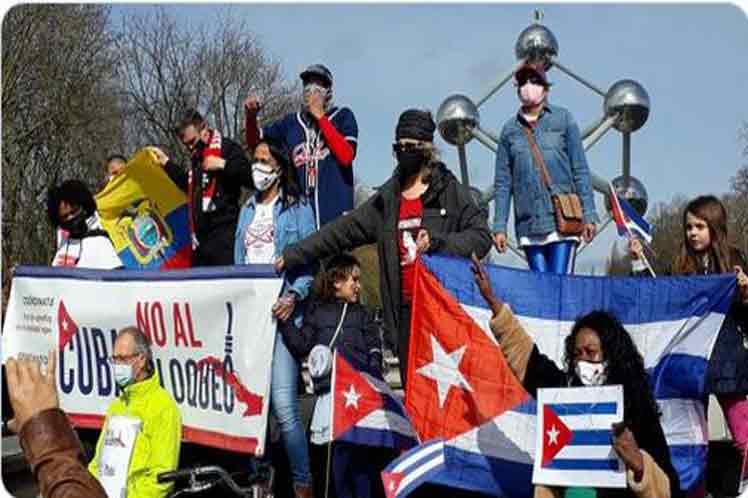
556 434
353 397
391 482
458 378
65 325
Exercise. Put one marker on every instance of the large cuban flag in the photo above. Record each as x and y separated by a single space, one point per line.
460 388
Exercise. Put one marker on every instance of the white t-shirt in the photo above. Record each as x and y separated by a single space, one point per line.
95 252
259 241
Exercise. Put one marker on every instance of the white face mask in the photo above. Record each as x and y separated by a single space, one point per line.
591 373
263 176
320 361
123 374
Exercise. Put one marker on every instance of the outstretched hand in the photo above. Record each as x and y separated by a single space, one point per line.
484 285
30 391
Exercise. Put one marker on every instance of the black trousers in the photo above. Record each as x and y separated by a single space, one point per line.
216 247
403 339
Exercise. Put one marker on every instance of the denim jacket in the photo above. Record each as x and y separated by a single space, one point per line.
559 140
293 221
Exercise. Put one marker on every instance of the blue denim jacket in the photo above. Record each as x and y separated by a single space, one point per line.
292 222
559 140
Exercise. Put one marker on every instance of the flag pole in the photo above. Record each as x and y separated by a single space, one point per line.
332 423
630 234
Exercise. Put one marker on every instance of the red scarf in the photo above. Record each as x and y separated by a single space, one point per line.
213 149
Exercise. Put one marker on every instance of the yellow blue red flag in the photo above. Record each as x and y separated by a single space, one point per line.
146 216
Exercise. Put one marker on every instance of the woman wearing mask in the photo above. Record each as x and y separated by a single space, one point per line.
540 159
270 220
421 209
598 351
82 242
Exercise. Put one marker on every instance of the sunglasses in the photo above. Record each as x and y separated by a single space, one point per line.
408 147
532 78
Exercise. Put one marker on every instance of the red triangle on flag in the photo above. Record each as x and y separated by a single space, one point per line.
458 378
65 325
556 435
391 482
353 397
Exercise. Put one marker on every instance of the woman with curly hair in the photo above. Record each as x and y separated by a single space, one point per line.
598 351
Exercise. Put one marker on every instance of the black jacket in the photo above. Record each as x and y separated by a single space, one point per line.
358 339
727 372
645 424
229 182
456 226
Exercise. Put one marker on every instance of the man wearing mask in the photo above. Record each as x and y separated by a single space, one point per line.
81 241
114 165
322 139
142 431
540 153
219 169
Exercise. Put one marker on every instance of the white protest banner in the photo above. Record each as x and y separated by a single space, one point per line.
573 445
212 335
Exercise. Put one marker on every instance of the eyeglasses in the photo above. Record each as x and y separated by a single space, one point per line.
408 146
122 358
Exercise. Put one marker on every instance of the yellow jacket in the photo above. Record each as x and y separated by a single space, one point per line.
157 445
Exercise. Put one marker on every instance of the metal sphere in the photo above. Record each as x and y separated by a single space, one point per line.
456 117
631 100
536 42
636 194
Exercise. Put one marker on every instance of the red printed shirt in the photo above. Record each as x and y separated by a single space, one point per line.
409 222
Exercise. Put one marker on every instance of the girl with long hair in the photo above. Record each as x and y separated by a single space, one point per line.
707 250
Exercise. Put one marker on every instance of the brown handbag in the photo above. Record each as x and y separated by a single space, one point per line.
566 207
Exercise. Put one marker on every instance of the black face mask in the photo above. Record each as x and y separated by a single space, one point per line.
76 226
410 161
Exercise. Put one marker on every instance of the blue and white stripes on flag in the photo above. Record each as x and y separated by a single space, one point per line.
574 443
413 468
673 320
627 219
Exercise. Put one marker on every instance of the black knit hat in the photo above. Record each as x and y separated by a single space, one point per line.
415 124
74 192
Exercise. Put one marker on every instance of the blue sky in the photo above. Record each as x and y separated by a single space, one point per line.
691 59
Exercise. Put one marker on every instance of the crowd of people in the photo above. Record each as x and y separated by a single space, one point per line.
299 216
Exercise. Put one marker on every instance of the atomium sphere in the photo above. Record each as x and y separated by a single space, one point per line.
635 194
456 117
536 43
631 100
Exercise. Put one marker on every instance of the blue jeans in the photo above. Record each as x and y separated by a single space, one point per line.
550 258
284 402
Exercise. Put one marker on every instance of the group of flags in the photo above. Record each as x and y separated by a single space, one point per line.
474 426
467 422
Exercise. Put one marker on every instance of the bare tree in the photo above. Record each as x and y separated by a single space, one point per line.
167 67
60 116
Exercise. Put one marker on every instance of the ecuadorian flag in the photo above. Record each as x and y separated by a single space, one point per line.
146 216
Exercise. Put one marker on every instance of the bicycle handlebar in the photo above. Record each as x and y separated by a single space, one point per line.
206 470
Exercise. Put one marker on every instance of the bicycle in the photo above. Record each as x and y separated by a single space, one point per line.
202 479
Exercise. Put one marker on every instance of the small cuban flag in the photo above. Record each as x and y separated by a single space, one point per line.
574 437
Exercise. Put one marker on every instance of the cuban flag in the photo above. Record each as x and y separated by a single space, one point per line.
575 437
627 219
366 411
461 390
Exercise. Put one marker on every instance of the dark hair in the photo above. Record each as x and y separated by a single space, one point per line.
625 363
338 268
190 117
288 181
721 253
75 193
116 157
